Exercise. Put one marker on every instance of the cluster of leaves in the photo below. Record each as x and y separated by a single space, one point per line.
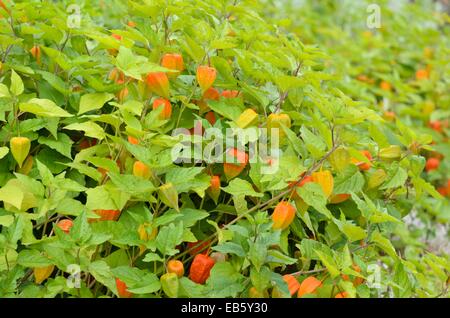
397 53
79 120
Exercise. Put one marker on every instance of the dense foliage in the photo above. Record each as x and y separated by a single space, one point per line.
93 204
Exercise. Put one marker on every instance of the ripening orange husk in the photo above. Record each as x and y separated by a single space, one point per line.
283 215
206 76
232 170
422 74
292 282
26 166
214 188
116 76
358 280
166 113
230 93
4 7
117 36
42 273
168 194
114 51
275 121
296 184
140 169
133 140
175 266
363 166
122 94
342 295
211 93
106 215
210 117
389 116
122 290
36 53
144 236
200 268
339 198
174 62
325 180
158 83
436 125
65 225
385 86
202 105
309 286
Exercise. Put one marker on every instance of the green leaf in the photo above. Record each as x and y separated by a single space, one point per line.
152 257
105 198
63 144
329 263
315 145
3 152
294 140
132 184
189 217
6 220
135 65
16 84
138 281
60 58
404 285
105 163
309 247
230 248
224 281
55 81
86 170
190 289
240 204
313 195
350 180
261 279
396 177
89 128
43 108
81 231
257 254
4 92
169 237
384 244
186 179
222 234
225 110
102 274
149 283
45 173
93 101
32 258
12 193
275 256
238 187
353 232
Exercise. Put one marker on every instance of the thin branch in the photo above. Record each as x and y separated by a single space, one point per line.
314 271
